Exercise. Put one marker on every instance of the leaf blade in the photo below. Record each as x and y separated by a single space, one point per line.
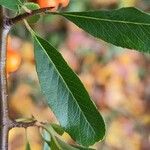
28 147
58 129
80 118
63 145
13 5
125 27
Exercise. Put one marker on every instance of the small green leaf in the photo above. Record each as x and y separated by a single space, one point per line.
82 148
11 4
65 146
25 120
31 6
58 129
57 144
52 144
125 27
67 96
46 138
28 146
46 146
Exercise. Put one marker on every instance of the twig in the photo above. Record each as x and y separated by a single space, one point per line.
21 17
5 122
23 124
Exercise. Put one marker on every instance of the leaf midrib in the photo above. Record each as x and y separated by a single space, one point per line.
106 20
67 88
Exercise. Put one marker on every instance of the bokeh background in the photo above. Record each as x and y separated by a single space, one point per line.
117 79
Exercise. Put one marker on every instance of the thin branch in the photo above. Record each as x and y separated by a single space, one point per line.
21 17
23 124
34 123
5 122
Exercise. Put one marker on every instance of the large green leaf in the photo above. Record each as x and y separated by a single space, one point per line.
125 27
67 96
11 4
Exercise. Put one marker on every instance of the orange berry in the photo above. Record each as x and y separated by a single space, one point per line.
47 3
64 3
53 3
13 60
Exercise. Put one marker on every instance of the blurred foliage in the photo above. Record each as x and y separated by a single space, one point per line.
117 79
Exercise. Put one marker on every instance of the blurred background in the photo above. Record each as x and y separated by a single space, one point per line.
117 79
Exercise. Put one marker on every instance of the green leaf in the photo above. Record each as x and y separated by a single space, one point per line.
46 138
125 27
11 4
57 128
65 146
67 96
82 148
31 6
53 145
57 144
28 146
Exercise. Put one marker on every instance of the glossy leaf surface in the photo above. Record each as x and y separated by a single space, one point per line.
67 96
125 27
